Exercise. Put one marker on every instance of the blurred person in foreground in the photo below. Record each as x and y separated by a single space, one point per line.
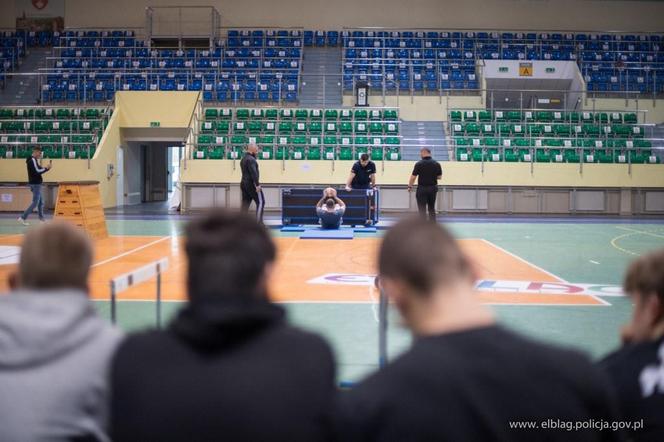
55 351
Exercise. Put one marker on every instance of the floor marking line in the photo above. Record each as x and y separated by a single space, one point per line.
129 252
517 257
594 262
374 304
614 244
641 232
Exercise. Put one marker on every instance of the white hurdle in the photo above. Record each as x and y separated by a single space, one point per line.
123 282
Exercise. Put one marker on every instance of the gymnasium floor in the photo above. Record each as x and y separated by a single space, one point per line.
552 279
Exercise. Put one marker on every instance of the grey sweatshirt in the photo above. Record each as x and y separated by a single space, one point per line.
55 354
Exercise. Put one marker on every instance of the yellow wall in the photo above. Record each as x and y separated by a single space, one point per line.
170 109
454 173
325 14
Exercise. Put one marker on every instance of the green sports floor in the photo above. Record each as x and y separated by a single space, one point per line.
579 250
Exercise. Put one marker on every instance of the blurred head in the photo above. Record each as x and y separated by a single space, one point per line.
644 284
230 256
425 152
252 148
37 152
419 260
56 255
329 203
364 159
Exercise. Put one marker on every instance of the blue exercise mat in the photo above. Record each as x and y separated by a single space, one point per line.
293 229
327 234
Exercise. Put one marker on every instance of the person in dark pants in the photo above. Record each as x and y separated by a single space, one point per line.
35 172
250 183
428 172
637 369
362 175
230 366
465 377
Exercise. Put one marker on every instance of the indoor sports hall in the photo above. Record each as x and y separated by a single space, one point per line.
547 119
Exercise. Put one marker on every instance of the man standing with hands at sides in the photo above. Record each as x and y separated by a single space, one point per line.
35 171
428 172
362 175
250 183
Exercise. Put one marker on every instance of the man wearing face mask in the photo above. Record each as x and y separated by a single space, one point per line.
637 369
250 183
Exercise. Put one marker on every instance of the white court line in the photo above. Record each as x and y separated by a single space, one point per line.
129 252
597 298
523 260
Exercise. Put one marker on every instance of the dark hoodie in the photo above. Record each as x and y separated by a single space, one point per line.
233 371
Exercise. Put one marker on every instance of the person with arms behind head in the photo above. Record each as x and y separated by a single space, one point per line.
330 209
427 172
465 378
55 350
35 180
637 369
229 367
362 175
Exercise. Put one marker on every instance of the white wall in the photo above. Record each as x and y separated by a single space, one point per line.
335 14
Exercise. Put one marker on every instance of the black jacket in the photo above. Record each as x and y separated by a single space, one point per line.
35 171
250 174
223 372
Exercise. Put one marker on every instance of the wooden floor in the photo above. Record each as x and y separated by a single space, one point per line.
301 261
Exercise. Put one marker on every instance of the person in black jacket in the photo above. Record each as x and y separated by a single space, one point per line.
229 367
428 172
35 172
250 184
637 369
466 378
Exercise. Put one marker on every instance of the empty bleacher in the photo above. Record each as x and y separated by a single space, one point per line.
549 136
248 66
62 133
299 134
431 61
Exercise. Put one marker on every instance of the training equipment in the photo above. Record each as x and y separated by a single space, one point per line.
299 206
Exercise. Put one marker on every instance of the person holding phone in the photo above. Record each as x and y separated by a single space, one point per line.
35 172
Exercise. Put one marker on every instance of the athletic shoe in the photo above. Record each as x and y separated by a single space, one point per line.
22 221
42 220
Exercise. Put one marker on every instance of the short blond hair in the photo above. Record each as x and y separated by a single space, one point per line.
55 255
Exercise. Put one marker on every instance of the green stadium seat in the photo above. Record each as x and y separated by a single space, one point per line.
204 140
360 150
255 127
601 117
375 115
283 140
331 115
478 154
377 153
544 116
484 116
571 156
346 127
559 117
330 128
282 153
470 116
314 153
487 129
637 132
216 153
525 155
360 115
315 127
511 155
225 114
590 130
286 114
285 127
330 141
223 127
616 118
472 129
241 140
393 141
457 129
542 156
462 154
211 114
300 127
346 153
240 127
390 115
298 153
271 114
391 128
360 128
207 126
301 114
604 155
393 154
514 116
630 118
62 114
587 117
242 114
455 116
315 115
376 128
329 152
256 114
345 115
562 130
500 116
269 127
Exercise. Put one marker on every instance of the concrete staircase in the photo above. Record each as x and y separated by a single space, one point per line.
418 134
24 90
317 91
658 141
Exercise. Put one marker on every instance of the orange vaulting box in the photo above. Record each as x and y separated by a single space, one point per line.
79 202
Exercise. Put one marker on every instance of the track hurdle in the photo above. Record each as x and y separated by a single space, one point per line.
383 304
123 282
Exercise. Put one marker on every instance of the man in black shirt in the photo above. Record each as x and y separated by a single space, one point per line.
465 378
35 171
637 369
250 182
362 175
229 367
428 172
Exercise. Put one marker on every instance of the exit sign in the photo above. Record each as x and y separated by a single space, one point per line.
503 69
550 70
155 124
